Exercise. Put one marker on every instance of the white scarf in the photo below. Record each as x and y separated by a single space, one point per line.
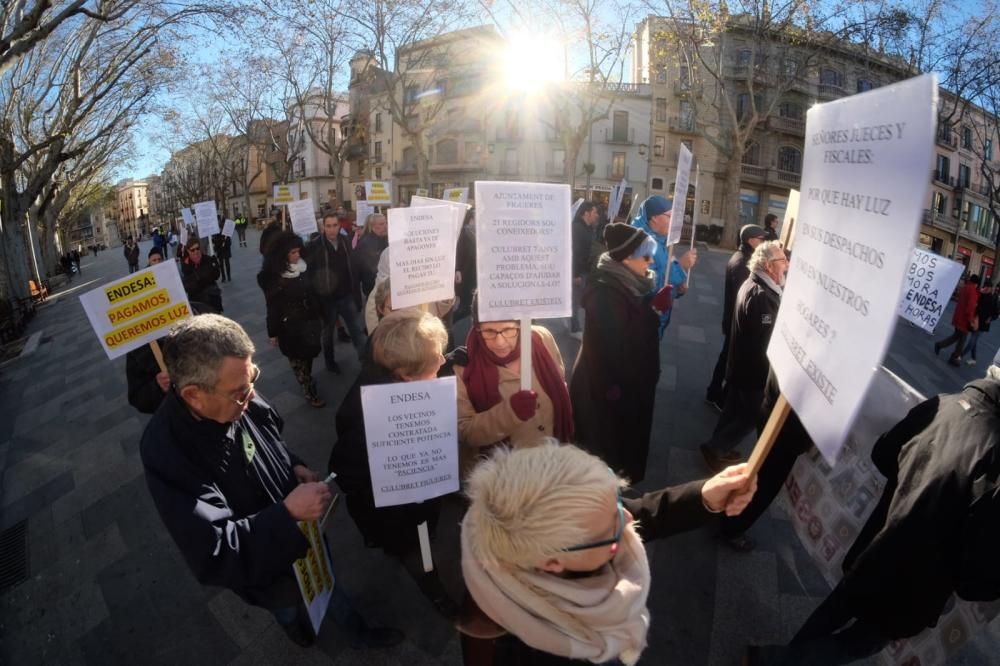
598 618
295 270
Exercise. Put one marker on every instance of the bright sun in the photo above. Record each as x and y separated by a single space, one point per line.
531 62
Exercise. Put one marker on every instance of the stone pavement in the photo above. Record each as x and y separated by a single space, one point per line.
107 585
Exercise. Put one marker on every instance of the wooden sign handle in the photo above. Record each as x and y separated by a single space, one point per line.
158 354
526 353
774 424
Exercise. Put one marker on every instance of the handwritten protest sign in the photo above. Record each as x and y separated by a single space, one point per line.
422 258
829 506
188 217
523 250
228 227
285 194
412 435
207 218
184 235
457 209
133 311
378 192
314 573
864 183
458 194
930 282
303 216
680 195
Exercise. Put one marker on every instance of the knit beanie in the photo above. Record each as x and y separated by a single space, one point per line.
657 205
622 239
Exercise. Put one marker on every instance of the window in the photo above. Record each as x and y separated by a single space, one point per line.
378 173
446 151
661 109
790 110
966 137
617 165
409 159
964 175
830 77
558 162
789 159
619 127
751 155
661 75
378 151
988 149
378 122
939 203
472 150
864 85
659 145
684 76
657 184
742 106
790 66
743 57
510 161
943 170
687 115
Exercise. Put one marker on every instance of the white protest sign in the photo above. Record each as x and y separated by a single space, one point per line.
864 183
228 227
786 233
130 312
187 216
314 573
184 235
930 282
422 259
459 194
458 210
285 194
378 192
615 201
523 250
680 195
412 433
303 216
207 217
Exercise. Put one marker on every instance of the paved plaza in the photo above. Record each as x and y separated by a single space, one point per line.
107 585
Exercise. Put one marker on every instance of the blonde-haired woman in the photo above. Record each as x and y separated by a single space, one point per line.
407 346
550 550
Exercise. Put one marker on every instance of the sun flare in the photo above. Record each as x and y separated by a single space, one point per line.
532 62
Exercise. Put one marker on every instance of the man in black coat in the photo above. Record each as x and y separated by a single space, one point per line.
933 533
746 372
225 485
328 258
583 240
737 272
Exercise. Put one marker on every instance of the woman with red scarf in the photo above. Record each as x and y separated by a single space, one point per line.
492 408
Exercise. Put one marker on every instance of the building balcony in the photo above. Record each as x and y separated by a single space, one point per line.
616 174
830 91
754 173
785 177
509 169
940 220
947 138
684 125
620 138
687 89
787 125
457 166
628 88
405 169
799 85
942 178
356 151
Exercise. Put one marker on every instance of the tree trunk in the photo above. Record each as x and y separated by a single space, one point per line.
730 208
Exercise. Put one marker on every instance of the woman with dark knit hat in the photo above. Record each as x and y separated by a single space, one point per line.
614 380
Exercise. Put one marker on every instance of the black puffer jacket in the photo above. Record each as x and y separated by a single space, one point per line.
736 274
753 322
293 315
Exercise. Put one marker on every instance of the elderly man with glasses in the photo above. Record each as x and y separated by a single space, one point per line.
227 488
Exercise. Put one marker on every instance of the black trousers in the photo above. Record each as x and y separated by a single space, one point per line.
956 336
738 418
716 389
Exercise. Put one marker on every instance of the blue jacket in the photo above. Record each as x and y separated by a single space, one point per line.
677 274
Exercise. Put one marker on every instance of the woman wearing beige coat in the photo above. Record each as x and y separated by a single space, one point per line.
492 408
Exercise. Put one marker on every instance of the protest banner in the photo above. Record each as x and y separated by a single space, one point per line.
314 573
138 309
930 282
829 506
680 197
457 194
364 209
458 210
303 216
615 199
422 255
412 434
865 180
207 217
183 235
188 217
228 227
378 192
786 233
285 194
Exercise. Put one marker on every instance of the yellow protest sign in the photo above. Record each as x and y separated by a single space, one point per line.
314 574
378 192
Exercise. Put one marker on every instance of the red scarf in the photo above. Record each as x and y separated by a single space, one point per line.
482 379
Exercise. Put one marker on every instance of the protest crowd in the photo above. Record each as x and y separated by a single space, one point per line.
553 564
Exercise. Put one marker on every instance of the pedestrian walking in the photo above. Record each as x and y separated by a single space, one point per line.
986 312
199 274
222 245
963 320
241 229
583 240
294 315
613 388
131 252
654 218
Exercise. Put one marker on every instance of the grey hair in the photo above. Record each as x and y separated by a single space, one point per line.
762 255
196 348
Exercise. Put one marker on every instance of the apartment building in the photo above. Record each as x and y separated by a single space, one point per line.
133 208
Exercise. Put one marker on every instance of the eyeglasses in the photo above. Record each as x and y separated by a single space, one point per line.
774 259
506 333
613 541
245 396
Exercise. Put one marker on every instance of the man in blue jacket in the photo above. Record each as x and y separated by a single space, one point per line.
654 218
